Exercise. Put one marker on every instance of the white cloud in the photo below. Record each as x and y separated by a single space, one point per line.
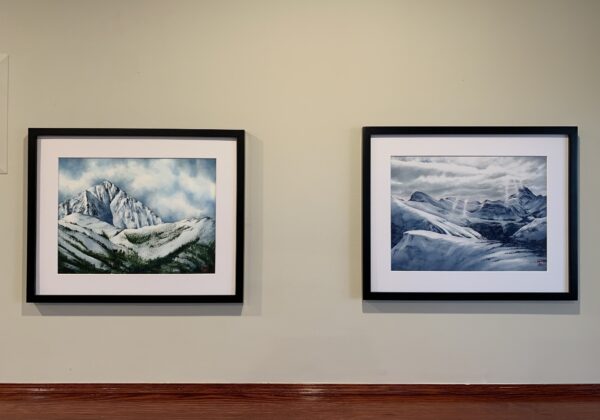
467 177
173 188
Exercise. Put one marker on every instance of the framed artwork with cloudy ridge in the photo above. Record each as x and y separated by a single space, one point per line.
135 215
470 213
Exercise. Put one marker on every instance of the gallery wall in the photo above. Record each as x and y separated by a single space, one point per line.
302 77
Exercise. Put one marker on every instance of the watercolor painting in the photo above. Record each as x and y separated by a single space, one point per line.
136 215
468 213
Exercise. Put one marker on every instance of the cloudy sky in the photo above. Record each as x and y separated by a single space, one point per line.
174 189
473 178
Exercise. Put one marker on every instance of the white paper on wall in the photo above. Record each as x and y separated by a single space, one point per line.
3 113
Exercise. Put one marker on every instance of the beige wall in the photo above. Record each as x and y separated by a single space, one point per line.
302 77
3 111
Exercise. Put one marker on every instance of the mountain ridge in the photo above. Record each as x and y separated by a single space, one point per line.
518 205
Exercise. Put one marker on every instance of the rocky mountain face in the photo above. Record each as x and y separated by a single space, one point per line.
110 204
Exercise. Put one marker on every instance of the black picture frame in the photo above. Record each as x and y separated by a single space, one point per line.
230 148
371 261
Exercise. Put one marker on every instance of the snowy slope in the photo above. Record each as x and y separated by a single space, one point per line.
406 218
82 222
532 232
153 242
431 251
87 244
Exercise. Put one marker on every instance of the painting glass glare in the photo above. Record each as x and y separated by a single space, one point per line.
136 215
468 213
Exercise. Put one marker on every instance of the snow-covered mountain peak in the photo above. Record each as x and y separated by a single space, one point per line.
107 186
525 202
524 190
110 204
421 197
524 193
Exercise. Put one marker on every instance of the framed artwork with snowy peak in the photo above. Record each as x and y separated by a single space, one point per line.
135 215
470 213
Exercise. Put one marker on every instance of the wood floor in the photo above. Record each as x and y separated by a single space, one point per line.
259 401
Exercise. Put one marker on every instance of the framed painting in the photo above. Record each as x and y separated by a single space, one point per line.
135 215
470 213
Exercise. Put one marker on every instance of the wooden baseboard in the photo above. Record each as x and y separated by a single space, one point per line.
295 391
298 401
